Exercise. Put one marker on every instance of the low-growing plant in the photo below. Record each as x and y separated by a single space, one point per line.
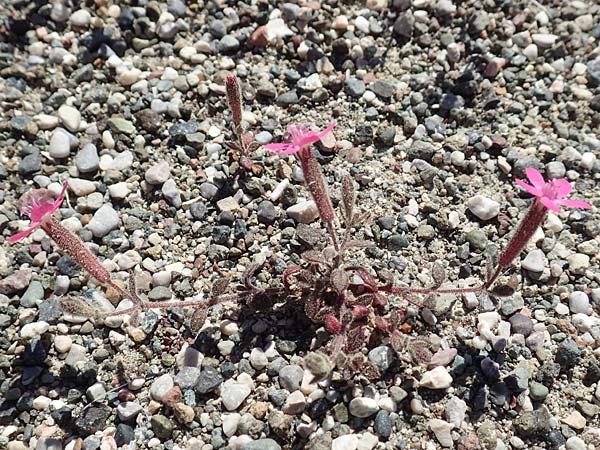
351 301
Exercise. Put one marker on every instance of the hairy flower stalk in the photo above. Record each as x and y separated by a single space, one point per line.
315 183
38 205
550 195
234 99
301 139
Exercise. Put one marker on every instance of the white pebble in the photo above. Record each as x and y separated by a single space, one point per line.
34 329
483 207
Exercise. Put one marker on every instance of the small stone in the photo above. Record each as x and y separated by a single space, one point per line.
442 431
303 212
537 391
568 354
544 40
578 263
87 159
437 378
233 395
158 174
104 221
575 420
455 411
295 403
120 125
262 444
535 261
363 407
576 443
354 87
208 381
290 377
70 117
521 324
579 302
267 212
60 144
127 411
62 344
383 424
161 387
34 329
483 207
382 357
162 426
80 18
258 359
345 442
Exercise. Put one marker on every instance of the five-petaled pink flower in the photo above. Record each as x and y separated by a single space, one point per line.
552 194
299 136
37 204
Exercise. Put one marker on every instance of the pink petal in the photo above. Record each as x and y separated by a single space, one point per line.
549 204
535 177
532 190
574 203
23 234
330 127
290 150
309 138
61 196
39 211
276 147
563 187
312 137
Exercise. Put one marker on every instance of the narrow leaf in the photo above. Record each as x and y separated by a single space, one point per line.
248 274
339 280
220 286
197 320
348 199
77 307
355 243
438 274
355 338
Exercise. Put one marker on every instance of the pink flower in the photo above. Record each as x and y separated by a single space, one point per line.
299 136
37 204
551 194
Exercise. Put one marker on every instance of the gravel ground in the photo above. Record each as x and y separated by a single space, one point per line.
440 104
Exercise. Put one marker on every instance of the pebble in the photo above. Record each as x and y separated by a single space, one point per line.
87 159
576 443
62 344
436 378
161 387
233 394
382 357
258 359
363 407
442 432
455 411
483 207
158 173
70 117
60 144
80 18
34 329
290 377
345 442
579 302
127 411
303 212
535 261
262 444
104 221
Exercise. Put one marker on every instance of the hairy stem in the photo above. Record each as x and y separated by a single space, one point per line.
525 230
315 182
